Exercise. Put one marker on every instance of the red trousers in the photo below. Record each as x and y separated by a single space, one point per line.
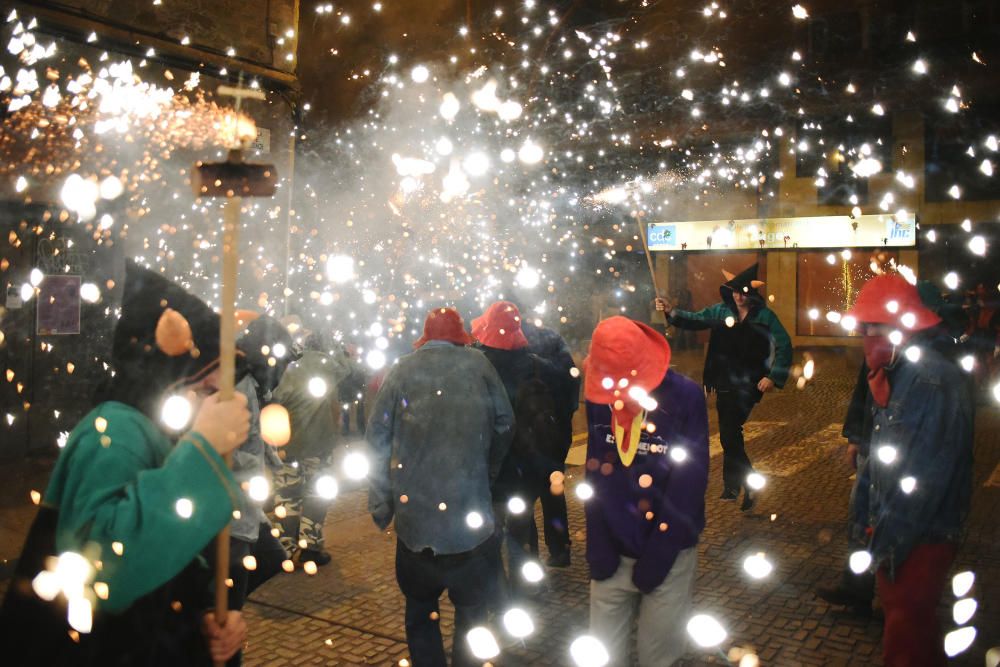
912 634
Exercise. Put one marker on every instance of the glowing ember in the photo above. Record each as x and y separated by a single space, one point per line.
176 412
860 561
518 623
482 643
757 566
275 425
356 466
706 631
327 487
588 651
184 508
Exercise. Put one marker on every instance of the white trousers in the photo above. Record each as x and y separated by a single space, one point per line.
661 634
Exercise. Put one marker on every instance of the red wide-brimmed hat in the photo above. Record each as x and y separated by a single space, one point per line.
623 349
444 324
500 327
890 299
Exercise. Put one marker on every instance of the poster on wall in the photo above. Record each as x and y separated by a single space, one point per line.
58 306
831 231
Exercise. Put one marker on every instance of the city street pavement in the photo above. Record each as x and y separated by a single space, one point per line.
351 611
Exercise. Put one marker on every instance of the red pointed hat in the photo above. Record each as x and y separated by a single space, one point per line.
500 327
623 349
444 324
890 299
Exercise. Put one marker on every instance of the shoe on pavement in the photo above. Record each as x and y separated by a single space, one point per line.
748 501
558 560
837 595
315 555
729 494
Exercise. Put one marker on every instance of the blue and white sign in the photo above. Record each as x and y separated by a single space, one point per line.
660 236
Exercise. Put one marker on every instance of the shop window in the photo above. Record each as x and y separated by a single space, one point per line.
829 281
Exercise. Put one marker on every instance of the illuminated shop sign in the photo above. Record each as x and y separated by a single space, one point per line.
831 231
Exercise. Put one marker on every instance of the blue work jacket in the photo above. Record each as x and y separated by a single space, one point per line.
919 473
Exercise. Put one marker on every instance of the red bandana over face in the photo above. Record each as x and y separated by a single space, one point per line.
878 355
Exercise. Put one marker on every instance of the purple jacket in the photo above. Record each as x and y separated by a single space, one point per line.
616 515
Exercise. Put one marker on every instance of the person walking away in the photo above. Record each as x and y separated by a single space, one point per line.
110 572
351 392
647 462
439 430
550 346
749 354
308 390
535 390
920 473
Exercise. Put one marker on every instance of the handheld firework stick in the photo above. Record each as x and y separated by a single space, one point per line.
649 258
232 179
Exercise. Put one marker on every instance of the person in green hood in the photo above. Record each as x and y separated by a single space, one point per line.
749 354
111 572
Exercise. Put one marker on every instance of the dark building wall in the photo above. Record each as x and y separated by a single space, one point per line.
252 27
47 382
49 379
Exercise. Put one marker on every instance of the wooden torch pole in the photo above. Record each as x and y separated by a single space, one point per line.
649 263
227 379
234 180
649 258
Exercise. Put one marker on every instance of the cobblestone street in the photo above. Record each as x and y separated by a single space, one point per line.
351 612
234 233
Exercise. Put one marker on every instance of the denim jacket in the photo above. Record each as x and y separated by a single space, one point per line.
919 474
439 431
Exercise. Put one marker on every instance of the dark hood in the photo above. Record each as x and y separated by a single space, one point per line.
142 371
742 282
266 333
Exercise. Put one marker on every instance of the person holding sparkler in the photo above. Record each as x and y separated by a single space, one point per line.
110 573
749 354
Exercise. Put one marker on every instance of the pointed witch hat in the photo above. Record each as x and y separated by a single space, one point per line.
745 281
746 278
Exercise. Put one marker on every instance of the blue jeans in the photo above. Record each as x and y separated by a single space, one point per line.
423 576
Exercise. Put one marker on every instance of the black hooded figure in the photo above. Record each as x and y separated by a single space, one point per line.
749 353
267 349
142 372
119 496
